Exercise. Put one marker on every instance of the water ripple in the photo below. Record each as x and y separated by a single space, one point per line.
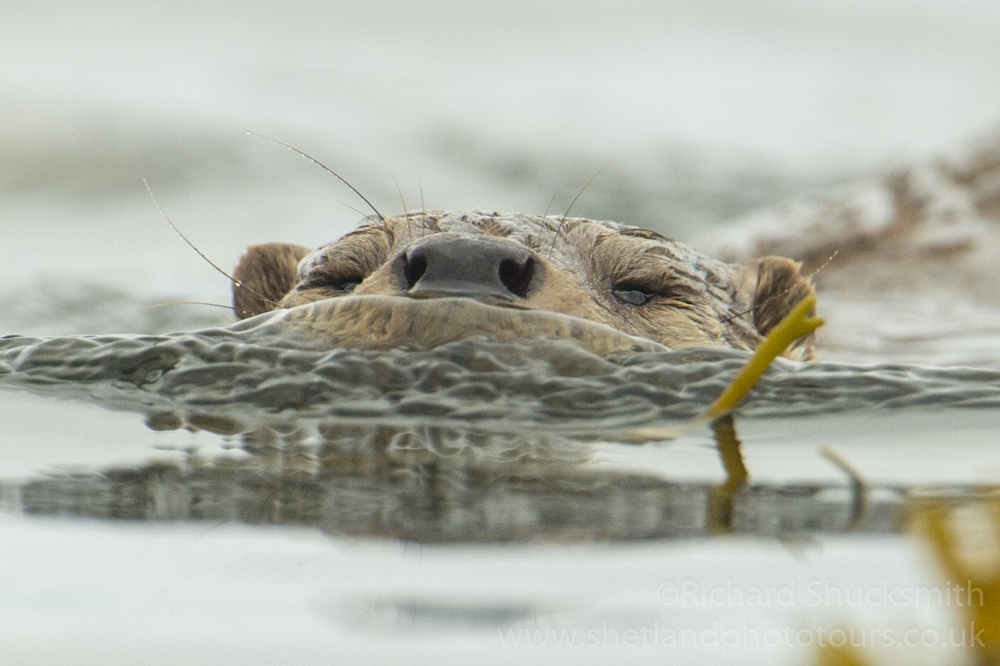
246 376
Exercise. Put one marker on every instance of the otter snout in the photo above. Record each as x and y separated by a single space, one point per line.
443 266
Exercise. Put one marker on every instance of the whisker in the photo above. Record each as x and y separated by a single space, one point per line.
423 209
359 212
406 213
545 215
780 293
169 303
825 264
562 221
325 168
745 312
551 201
195 248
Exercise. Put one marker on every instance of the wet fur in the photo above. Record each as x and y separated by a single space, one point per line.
696 300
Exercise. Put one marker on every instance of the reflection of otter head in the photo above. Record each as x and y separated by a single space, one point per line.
630 279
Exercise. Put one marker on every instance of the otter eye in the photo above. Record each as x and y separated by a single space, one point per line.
634 292
633 296
656 288
348 286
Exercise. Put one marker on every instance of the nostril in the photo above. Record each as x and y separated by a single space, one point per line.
414 268
466 267
516 276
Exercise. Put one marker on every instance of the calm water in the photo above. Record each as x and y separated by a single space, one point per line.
214 496
470 498
473 441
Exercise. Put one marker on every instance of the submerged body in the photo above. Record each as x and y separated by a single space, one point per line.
426 278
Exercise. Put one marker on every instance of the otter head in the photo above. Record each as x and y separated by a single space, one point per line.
481 272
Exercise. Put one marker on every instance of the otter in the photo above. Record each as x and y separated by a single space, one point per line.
421 279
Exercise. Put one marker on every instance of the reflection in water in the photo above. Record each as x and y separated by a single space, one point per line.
432 485
723 497
473 441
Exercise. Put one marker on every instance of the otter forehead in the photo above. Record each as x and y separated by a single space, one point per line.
574 241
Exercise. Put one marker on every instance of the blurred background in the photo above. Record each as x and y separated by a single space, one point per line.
693 111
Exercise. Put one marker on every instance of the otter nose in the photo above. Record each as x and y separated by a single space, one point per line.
468 267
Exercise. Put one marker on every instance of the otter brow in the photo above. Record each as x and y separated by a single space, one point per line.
334 279
352 259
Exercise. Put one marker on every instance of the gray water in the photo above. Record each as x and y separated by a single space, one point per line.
475 440
234 380
214 497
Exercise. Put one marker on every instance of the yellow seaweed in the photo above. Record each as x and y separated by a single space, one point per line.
978 610
840 656
795 324
720 501
981 611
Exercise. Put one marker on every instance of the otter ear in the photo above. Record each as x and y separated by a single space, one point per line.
266 273
779 289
